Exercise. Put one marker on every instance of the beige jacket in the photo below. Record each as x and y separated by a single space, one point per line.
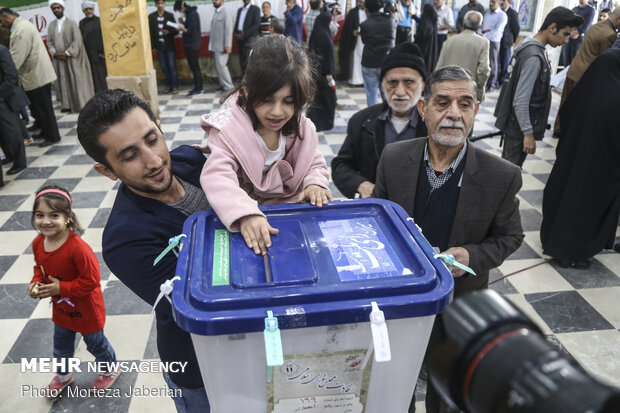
599 38
30 56
469 51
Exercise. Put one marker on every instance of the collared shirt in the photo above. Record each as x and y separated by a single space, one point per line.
244 12
495 21
444 16
391 134
437 181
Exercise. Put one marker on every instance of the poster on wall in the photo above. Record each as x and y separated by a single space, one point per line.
527 15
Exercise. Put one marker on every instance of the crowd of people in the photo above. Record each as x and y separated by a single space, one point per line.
262 148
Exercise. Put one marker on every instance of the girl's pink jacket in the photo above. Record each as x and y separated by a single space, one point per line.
232 177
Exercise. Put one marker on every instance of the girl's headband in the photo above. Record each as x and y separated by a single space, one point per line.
54 191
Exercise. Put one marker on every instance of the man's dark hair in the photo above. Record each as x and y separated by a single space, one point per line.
315 4
6 10
606 10
178 5
562 17
103 111
277 25
447 74
372 5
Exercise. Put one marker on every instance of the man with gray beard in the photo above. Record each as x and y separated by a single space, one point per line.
462 197
402 75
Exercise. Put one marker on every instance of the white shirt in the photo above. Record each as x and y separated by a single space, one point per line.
244 12
272 157
444 16
60 22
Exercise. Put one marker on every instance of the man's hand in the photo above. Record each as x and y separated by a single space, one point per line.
61 56
529 144
461 255
227 50
49 290
317 195
356 33
574 34
256 232
365 189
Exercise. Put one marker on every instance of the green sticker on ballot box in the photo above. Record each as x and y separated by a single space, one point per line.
221 249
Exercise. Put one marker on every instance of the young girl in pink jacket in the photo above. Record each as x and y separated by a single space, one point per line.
263 150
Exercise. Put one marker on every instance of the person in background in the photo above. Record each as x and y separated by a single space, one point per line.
445 22
404 11
220 43
13 132
265 19
403 73
323 107
376 34
604 14
495 21
570 50
351 46
522 109
246 29
471 5
90 26
469 51
192 41
276 26
35 70
581 201
162 42
293 21
317 7
599 38
426 36
64 42
509 38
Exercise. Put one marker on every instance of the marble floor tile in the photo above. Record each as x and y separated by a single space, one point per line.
567 312
597 351
605 301
542 278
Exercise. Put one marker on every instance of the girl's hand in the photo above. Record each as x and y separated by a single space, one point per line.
256 230
49 290
33 289
317 195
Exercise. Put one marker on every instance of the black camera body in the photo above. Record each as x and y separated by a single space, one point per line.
496 360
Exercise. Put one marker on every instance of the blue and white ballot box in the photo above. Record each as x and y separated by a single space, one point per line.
325 272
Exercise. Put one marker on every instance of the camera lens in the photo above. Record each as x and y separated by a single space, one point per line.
496 360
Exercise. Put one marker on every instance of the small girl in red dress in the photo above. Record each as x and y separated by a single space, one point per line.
66 269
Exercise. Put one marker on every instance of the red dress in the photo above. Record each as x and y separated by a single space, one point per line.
80 306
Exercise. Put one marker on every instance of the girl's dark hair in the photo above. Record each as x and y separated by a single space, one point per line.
58 203
274 62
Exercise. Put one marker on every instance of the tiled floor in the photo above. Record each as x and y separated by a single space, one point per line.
577 309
